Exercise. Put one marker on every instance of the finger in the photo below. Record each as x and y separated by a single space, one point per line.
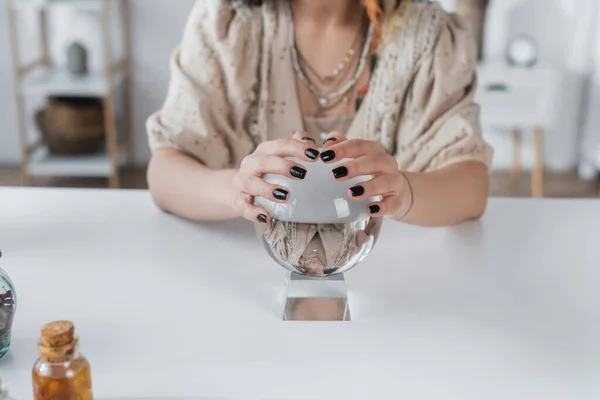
383 185
267 164
366 166
256 186
289 147
386 207
334 138
352 149
304 137
249 211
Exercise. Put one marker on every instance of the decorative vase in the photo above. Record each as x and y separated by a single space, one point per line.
77 59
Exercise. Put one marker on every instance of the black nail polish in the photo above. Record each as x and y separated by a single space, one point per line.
331 139
312 154
308 138
374 209
340 172
357 191
280 194
328 155
298 172
262 218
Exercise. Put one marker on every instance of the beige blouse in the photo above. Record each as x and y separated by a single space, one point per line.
233 86
315 125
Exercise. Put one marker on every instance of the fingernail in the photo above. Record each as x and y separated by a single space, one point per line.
374 209
308 138
312 154
357 191
327 156
331 139
280 194
262 218
340 172
298 172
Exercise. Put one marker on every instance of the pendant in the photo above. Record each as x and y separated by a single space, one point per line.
322 101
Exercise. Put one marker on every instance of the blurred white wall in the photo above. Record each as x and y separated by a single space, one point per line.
590 146
158 27
565 32
9 148
564 29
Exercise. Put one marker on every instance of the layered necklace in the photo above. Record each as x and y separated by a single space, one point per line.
331 99
337 71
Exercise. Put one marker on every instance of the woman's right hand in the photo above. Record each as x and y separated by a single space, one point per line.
269 158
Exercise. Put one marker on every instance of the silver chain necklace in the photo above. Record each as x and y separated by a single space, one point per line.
325 97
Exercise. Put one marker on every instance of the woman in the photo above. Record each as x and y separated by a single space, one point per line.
394 83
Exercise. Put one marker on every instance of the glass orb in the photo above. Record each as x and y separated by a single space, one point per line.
321 230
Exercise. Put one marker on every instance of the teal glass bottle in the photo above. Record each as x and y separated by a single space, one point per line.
8 306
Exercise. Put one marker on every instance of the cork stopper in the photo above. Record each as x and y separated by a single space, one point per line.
58 341
57 334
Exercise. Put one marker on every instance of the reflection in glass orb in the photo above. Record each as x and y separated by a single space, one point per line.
320 230
319 250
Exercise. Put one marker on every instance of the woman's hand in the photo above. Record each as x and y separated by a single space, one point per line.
370 159
269 158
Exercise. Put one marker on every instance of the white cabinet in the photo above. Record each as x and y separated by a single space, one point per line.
521 102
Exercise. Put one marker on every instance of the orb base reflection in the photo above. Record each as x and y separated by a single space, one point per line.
317 256
319 250
316 299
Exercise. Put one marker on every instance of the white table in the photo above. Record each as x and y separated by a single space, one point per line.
504 308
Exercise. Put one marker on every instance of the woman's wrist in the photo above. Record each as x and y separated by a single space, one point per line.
407 197
232 194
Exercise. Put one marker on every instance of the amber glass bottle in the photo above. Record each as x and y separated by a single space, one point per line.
61 373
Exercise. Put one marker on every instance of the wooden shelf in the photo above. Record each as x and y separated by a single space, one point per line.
37 78
48 81
42 163
83 5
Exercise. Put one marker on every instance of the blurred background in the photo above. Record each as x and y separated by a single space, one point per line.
78 78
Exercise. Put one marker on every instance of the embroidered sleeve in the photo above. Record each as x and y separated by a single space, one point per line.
440 121
210 90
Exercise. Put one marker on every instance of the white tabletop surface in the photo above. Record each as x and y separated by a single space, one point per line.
504 308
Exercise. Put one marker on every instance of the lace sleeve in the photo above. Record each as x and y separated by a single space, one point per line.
211 86
440 121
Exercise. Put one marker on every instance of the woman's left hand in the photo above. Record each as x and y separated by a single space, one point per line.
369 158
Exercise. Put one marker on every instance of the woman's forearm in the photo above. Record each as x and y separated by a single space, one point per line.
448 196
181 185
